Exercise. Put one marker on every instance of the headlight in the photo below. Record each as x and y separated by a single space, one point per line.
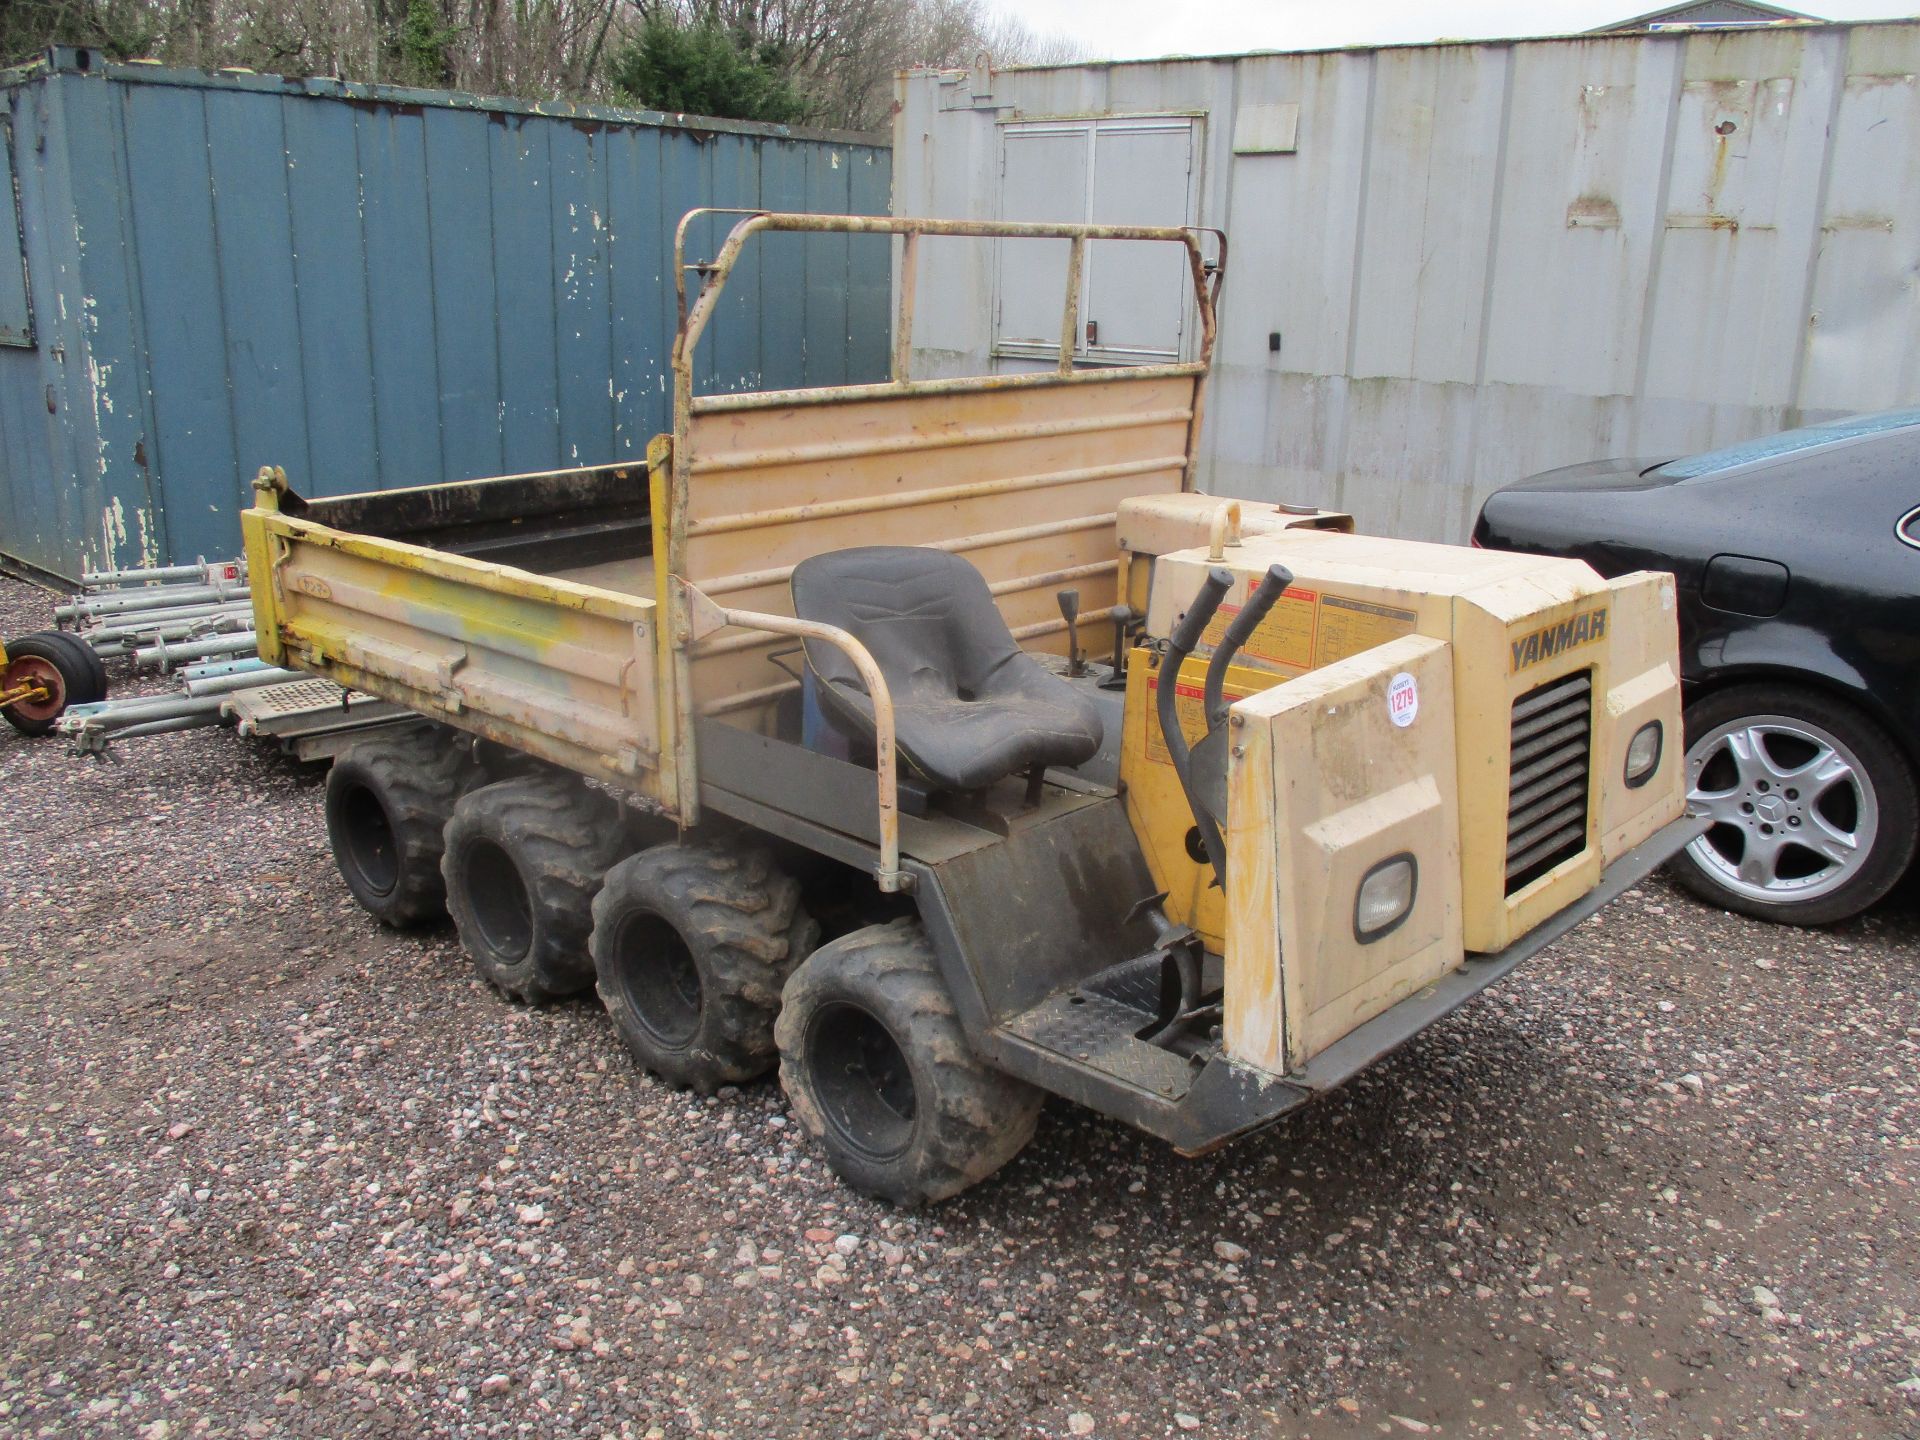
1385 898
1643 754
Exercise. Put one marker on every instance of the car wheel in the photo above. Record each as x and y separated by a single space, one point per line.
1813 805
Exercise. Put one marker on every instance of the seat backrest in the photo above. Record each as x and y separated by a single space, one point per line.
926 616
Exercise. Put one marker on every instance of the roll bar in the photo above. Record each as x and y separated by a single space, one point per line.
1207 274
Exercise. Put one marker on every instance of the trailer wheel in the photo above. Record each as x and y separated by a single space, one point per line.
692 945
523 860
64 666
877 1068
388 799
88 657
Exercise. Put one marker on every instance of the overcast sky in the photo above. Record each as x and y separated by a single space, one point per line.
1135 29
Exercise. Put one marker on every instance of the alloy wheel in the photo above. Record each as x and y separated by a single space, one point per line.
1794 811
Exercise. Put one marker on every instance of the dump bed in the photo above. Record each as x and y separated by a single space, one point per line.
435 598
554 612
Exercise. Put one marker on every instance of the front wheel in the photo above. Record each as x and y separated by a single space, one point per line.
1813 805
878 1069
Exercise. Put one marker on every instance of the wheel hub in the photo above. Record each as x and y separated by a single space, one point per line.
1794 810
661 979
45 689
369 840
502 908
863 1080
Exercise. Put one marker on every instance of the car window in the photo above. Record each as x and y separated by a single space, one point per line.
1771 447
1909 527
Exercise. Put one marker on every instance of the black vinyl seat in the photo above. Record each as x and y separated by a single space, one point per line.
970 706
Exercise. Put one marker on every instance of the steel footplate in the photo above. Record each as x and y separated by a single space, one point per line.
302 710
1097 1031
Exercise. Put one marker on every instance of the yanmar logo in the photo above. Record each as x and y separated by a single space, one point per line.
1551 640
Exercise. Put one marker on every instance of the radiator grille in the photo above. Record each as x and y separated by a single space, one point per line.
1547 788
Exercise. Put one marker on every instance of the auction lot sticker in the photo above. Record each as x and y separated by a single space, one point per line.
1403 700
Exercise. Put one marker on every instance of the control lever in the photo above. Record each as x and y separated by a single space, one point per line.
1240 630
1186 634
1069 601
1122 617
1182 963
1208 763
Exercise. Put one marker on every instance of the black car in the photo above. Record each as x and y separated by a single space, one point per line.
1797 561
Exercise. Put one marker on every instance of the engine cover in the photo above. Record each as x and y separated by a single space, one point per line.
1553 671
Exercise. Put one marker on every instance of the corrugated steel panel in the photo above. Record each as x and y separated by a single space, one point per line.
376 287
1485 259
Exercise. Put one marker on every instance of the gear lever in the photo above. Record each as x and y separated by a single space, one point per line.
1070 611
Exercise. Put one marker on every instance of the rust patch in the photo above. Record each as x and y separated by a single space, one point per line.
1593 212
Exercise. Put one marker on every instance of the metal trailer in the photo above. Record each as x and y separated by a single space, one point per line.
1322 790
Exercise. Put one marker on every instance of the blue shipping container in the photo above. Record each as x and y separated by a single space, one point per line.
374 287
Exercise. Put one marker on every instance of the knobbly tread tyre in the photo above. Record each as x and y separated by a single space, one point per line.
969 1119
1890 774
561 839
743 929
415 776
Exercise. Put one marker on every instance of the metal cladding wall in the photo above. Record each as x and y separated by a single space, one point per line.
377 288
1483 260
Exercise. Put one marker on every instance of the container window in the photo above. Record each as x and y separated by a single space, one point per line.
1134 298
16 311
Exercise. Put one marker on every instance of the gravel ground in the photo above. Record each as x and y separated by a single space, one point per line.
269 1169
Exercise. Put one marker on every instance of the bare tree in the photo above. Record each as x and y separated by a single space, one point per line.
840 55
844 53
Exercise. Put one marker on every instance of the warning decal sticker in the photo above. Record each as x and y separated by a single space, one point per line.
1310 628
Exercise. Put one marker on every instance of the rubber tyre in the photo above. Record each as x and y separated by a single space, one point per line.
913 1127
74 663
88 657
1887 773
692 945
388 800
523 860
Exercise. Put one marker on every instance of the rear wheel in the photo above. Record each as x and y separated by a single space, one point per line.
1813 806
65 670
878 1069
523 860
388 799
692 944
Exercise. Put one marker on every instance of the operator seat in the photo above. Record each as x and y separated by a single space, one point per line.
970 706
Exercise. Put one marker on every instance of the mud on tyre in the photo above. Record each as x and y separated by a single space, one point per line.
523 860
877 1068
692 944
388 799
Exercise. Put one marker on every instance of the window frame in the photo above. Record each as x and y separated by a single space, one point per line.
1048 352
